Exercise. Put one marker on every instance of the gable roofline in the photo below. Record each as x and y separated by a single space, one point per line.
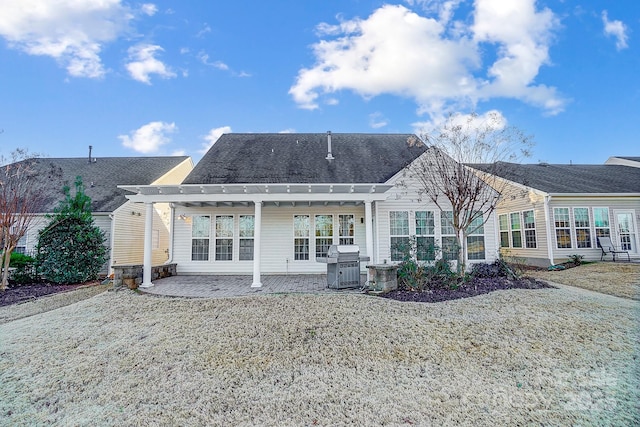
271 158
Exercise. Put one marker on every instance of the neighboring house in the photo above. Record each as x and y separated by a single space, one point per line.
550 212
272 203
121 220
625 161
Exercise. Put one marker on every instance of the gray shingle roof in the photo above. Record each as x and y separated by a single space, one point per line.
105 174
633 159
301 158
550 178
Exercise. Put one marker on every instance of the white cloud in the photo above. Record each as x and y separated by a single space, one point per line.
71 31
143 63
213 136
149 9
377 120
290 130
616 29
437 61
149 138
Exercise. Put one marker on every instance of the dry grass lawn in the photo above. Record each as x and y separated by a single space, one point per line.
519 357
620 278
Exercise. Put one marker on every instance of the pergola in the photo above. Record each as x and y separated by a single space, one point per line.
277 194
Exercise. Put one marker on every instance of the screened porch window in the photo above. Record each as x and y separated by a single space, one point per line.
529 230
200 232
475 238
399 233
425 236
324 234
563 227
601 222
504 230
346 229
301 237
583 227
450 247
516 230
247 227
224 238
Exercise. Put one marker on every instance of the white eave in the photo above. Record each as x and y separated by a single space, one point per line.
203 193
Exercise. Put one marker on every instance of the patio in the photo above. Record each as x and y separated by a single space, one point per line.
224 286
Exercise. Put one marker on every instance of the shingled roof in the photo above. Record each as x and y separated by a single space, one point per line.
301 158
100 178
597 179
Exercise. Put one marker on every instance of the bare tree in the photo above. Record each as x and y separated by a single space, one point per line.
466 196
20 197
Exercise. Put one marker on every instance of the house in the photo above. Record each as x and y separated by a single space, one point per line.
272 203
121 220
550 212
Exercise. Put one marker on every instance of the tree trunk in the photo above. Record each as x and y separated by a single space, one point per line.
5 268
462 265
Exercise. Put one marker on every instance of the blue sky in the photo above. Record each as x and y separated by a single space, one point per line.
165 77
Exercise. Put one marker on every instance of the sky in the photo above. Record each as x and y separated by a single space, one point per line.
168 78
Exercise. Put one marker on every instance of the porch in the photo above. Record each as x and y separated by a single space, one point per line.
225 286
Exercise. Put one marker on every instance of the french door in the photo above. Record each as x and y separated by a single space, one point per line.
626 230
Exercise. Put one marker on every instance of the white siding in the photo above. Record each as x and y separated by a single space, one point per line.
129 234
613 203
277 239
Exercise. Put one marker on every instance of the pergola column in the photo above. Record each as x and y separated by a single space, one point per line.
148 236
368 227
257 243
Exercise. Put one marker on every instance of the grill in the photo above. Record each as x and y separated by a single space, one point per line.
343 266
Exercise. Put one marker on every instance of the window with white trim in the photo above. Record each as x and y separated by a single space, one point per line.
516 230
562 225
450 247
583 227
601 222
200 233
346 229
323 233
504 230
224 237
301 227
21 246
399 233
530 241
425 236
475 238
246 226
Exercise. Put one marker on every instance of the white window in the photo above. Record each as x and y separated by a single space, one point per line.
247 230
324 234
563 227
301 226
529 230
224 238
504 230
200 232
475 238
516 230
155 239
450 247
346 229
601 222
399 233
583 227
425 236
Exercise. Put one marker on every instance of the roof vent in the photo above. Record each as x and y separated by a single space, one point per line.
90 148
329 155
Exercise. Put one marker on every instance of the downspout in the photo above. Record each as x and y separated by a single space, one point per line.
171 226
112 243
547 220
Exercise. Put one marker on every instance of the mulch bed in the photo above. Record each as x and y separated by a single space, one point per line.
18 294
476 286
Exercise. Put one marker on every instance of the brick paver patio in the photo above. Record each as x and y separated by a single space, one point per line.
240 285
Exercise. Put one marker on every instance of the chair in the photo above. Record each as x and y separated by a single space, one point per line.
607 247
